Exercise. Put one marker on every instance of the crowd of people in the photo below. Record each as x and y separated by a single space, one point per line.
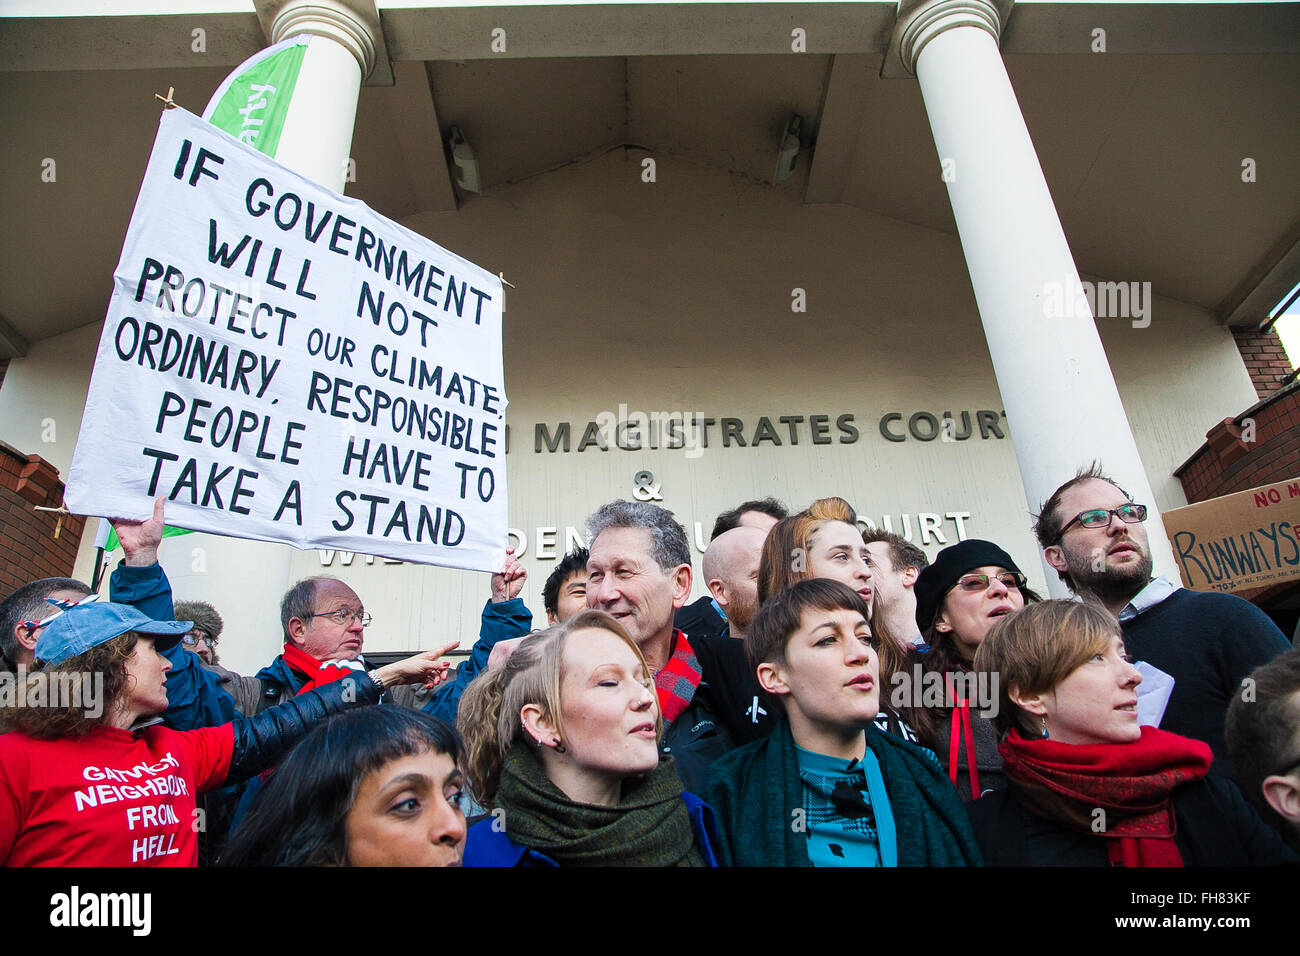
835 699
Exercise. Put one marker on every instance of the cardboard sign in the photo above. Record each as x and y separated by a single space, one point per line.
282 363
1240 541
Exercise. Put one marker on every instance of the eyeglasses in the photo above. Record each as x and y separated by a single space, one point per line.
192 639
974 583
1100 517
345 616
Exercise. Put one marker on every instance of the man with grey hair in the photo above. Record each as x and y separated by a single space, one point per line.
639 571
324 624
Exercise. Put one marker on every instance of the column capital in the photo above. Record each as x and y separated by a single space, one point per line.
920 21
353 24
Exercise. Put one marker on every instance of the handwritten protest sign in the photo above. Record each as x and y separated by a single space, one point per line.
1239 541
284 364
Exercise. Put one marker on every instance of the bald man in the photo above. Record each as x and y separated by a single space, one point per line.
731 570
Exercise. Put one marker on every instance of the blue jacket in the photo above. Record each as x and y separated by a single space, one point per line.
488 845
194 695
196 699
500 622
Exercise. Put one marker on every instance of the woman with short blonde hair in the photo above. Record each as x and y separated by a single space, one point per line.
562 744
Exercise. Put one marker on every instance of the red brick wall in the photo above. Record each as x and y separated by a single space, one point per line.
1265 359
28 548
1227 462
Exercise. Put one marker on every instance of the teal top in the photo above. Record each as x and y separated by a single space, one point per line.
847 816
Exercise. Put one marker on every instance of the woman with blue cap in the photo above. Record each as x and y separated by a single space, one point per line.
90 776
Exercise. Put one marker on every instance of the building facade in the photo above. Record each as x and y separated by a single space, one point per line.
1035 254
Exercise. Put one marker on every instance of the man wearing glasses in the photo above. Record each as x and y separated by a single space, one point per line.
206 632
324 626
1092 533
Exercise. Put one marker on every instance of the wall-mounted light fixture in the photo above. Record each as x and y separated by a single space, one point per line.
789 154
467 174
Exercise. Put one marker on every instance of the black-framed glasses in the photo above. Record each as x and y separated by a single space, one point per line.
1100 517
193 640
345 616
974 583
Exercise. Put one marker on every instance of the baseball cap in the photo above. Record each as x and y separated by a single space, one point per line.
84 626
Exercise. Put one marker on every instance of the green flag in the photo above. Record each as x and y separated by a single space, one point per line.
252 103
112 544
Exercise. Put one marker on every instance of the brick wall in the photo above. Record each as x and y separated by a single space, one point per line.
28 548
1265 359
1259 446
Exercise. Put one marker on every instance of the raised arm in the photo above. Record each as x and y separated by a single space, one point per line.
504 617
194 696
262 740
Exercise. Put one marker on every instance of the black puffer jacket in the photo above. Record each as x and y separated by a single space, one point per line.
261 741
1215 827
726 711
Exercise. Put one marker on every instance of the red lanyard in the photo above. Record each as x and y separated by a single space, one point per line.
962 721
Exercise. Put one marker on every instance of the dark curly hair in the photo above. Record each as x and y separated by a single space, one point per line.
66 714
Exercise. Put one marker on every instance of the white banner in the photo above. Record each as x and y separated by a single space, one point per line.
282 363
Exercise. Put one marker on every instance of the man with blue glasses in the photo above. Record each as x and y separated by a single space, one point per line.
1092 533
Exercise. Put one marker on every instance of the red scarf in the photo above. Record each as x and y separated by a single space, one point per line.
678 680
318 673
1133 784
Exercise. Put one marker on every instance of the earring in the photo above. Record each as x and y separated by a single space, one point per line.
1045 735
559 747
524 727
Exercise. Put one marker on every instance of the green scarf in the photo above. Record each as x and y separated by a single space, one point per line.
650 826
756 793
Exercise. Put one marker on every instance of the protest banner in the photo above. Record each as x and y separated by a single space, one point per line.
1239 541
282 363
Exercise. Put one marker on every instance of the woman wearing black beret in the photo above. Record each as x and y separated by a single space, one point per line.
968 588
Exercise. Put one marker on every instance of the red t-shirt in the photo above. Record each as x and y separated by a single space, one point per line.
111 798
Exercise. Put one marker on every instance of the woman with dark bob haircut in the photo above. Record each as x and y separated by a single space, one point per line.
1087 785
375 787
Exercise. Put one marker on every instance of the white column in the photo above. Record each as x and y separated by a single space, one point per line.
1061 401
317 136
315 141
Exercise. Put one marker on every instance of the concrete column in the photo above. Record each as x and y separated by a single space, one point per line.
1061 401
317 136
316 142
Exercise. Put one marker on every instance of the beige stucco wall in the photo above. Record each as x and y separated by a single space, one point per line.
675 295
